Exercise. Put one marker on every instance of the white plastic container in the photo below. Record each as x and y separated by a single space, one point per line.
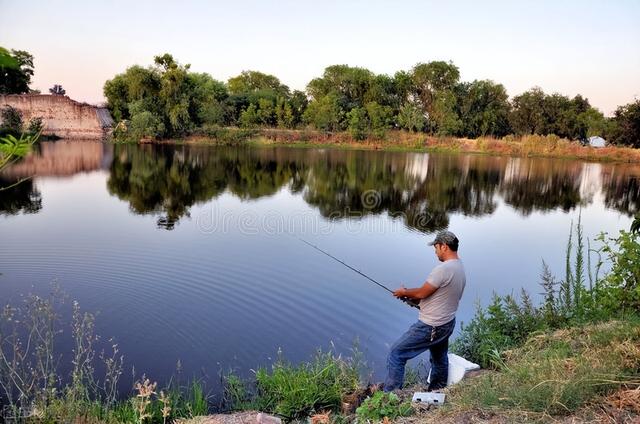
430 398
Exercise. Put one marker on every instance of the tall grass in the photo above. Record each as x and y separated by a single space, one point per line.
507 322
557 373
296 391
32 385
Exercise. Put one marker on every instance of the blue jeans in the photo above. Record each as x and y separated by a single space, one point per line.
412 343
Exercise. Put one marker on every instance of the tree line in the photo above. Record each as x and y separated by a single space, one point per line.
167 100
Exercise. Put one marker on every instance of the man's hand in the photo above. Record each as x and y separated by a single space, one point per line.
401 292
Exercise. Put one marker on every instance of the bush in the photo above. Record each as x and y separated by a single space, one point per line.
619 290
11 120
35 125
358 123
383 405
507 323
296 391
145 125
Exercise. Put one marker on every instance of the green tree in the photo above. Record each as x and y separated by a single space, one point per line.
411 117
444 119
358 123
57 90
16 70
249 118
299 103
484 109
208 99
380 118
176 93
595 122
626 120
251 81
349 84
146 125
527 112
266 112
284 113
325 114
10 120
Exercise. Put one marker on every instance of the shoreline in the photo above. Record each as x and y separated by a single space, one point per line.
527 146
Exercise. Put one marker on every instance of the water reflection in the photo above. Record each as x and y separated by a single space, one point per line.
423 190
16 198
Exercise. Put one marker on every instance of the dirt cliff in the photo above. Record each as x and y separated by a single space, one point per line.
61 115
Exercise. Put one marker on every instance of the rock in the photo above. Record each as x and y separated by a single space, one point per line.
248 417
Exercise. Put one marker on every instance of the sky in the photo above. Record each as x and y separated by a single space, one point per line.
571 47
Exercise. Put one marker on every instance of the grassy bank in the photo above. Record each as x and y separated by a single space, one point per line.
526 146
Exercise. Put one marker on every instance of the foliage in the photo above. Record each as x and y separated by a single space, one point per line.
11 120
16 70
534 112
326 114
429 97
12 148
411 118
35 126
620 288
57 90
558 373
383 405
380 118
626 128
294 391
484 109
358 123
506 323
254 81
170 99
145 125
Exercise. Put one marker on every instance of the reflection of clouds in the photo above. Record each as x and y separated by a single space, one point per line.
417 165
591 181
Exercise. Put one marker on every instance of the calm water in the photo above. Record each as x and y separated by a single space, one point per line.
190 252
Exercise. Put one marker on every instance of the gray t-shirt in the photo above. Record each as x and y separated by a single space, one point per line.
441 306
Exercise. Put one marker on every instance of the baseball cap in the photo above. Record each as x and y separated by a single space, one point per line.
445 237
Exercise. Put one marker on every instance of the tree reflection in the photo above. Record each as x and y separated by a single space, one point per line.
422 190
621 189
16 198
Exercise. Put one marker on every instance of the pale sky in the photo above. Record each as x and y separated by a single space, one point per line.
571 47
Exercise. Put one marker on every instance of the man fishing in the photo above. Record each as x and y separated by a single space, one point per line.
438 297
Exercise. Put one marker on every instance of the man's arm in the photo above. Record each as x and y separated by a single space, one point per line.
418 293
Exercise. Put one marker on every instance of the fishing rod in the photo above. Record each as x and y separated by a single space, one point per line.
410 302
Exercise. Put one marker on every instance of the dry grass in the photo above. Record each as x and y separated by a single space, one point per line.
531 145
587 374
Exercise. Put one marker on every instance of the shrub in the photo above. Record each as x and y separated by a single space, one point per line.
294 391
35 125
507 323
145 125
619 290
383 405
11 120
358 123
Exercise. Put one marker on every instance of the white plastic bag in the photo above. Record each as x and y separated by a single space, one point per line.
458 367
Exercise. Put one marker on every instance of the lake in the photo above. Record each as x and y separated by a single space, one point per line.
191 253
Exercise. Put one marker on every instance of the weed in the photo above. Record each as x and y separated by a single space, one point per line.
383 406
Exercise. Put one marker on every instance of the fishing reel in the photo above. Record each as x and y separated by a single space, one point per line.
411 302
